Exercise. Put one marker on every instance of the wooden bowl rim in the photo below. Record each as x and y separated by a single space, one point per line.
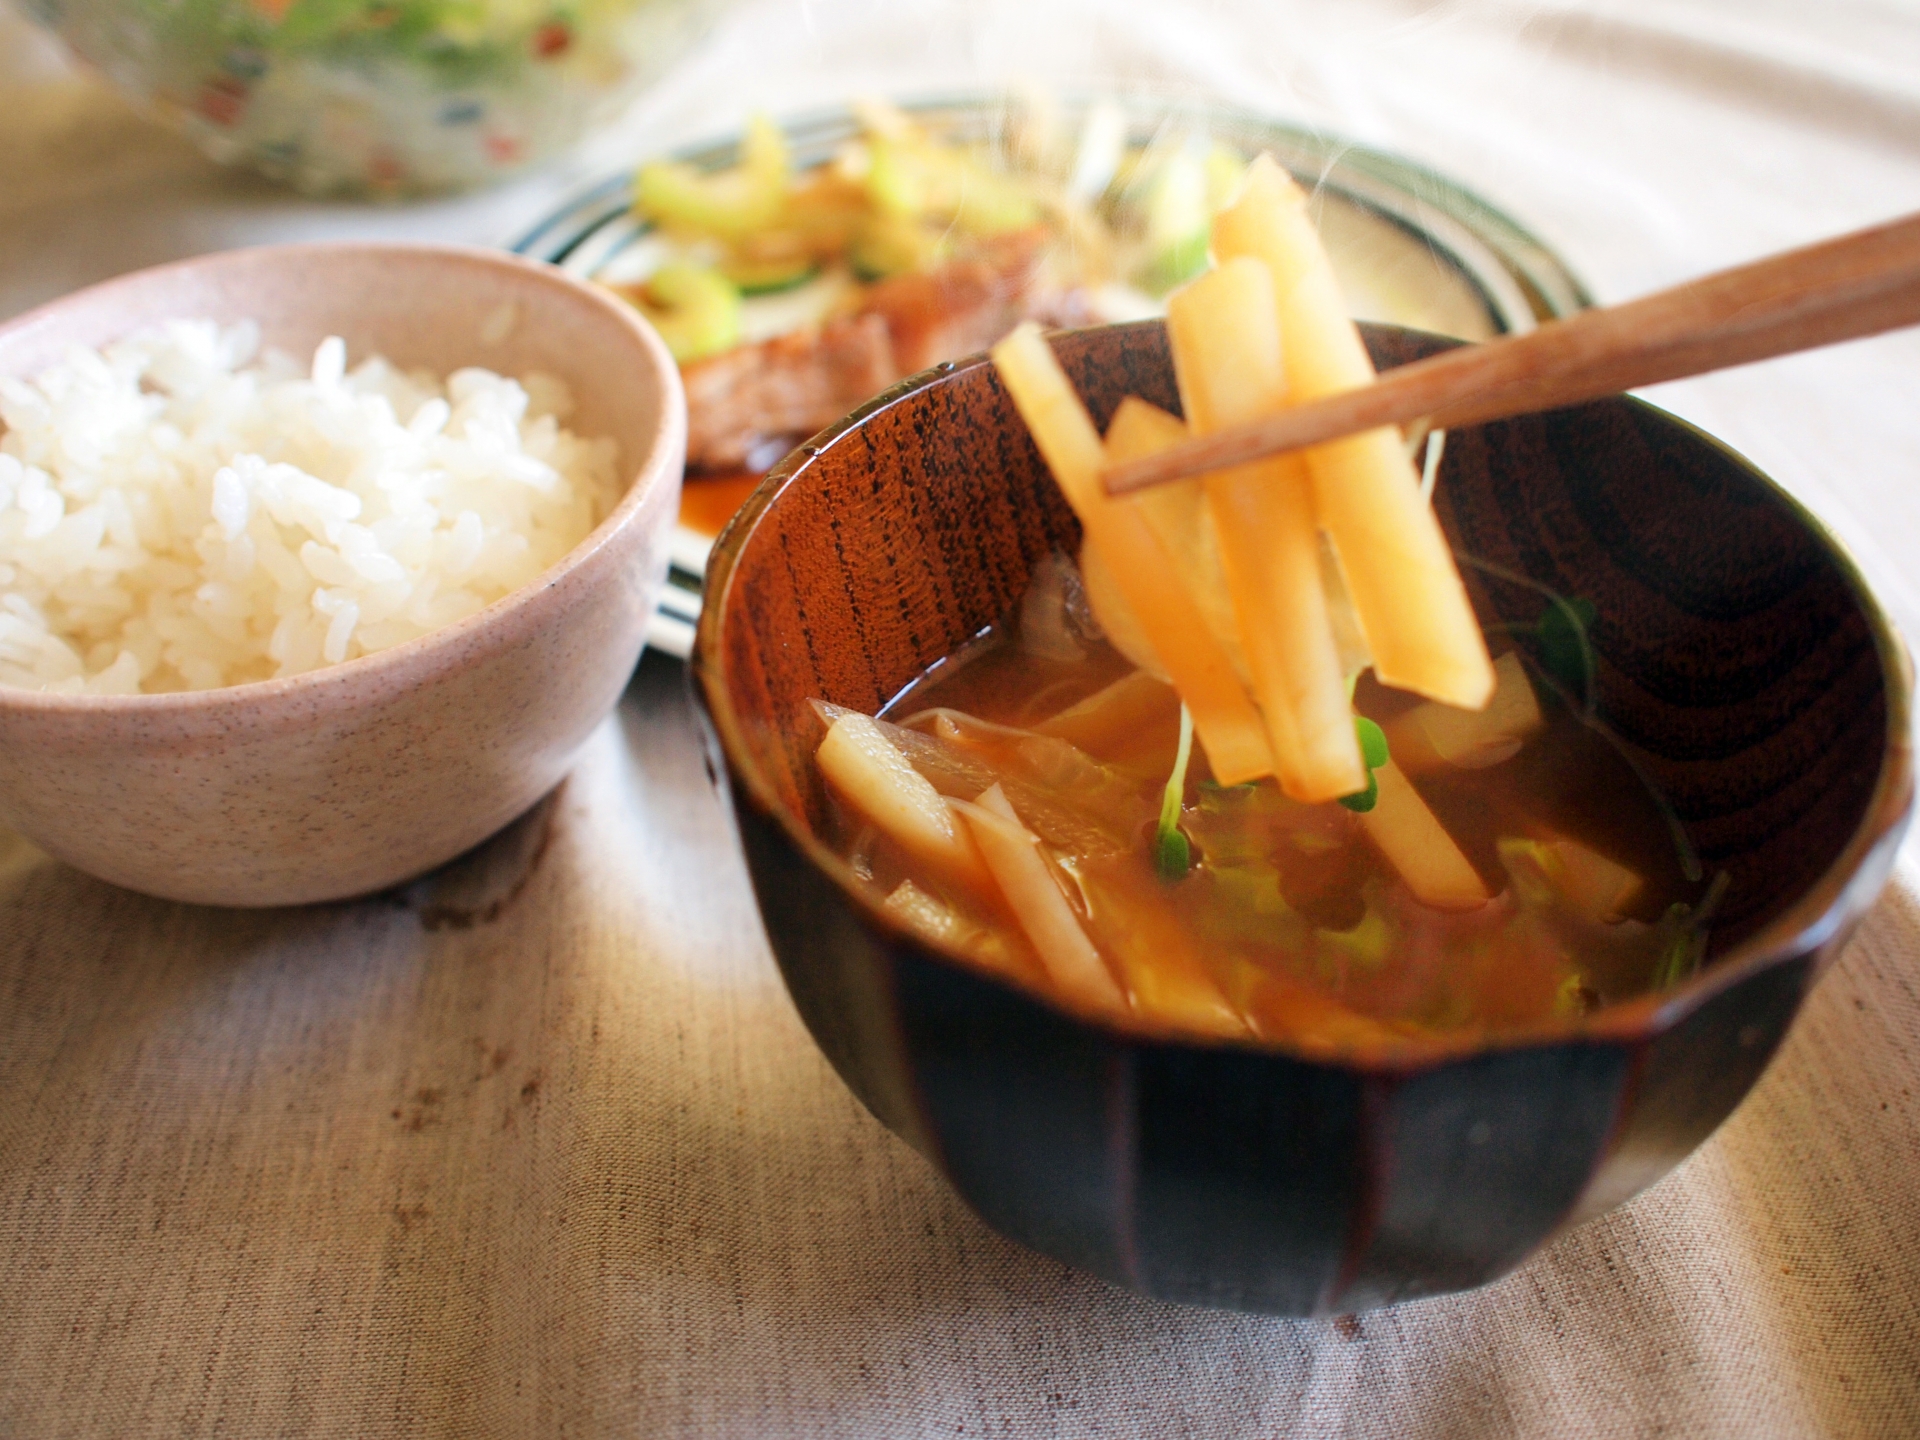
1832 902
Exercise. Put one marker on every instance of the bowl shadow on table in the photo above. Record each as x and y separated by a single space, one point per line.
473 888
47 951
660 1137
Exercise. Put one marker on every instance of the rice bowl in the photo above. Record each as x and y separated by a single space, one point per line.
347 778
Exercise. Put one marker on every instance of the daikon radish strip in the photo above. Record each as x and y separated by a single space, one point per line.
1164 970
1226 355
1179 518
1433 447
1594 887
1025 764
1475 739
1107 719
1597 887
1416 845
1111 608
1431 737
1227 722
1412 751
1014 857
1347 639
1140 427
999 946
1412 605
933 918
872 776
959 772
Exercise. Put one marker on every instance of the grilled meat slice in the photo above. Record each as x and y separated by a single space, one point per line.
758 398
748 405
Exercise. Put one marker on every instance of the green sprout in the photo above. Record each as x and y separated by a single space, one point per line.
1566 652
1563 632
1373 750
1172 855
1685 949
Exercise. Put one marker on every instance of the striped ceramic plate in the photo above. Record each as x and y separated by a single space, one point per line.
1413 248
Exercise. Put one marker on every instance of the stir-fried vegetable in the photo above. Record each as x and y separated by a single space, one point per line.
696 311
1100 231
730 205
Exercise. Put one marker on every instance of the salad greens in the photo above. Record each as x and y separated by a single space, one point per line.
461 40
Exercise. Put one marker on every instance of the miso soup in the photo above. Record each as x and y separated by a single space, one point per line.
1234 911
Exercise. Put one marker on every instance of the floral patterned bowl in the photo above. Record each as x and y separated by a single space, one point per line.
389 97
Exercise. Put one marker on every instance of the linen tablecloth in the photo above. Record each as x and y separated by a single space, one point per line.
538 1147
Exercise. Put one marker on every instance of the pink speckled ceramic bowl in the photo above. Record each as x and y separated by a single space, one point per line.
348 779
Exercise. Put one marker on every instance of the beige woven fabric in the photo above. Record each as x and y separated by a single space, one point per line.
540 1149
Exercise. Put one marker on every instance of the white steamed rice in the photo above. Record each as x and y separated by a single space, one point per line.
174 516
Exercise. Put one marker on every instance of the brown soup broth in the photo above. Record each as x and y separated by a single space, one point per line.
1289 923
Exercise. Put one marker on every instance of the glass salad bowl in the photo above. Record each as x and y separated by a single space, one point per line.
384 97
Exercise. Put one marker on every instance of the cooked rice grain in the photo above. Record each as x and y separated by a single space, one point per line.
176 516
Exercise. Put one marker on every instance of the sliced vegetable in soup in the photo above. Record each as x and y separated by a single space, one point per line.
1289 919
1245 767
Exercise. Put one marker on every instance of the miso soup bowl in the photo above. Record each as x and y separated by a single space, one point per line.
1741 663
354 777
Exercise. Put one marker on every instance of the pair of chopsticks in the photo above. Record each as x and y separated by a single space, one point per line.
1861 284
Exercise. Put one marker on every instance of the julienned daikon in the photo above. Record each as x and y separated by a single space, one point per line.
871 775
1262 327
1406 589
1138 563
1073 962
1226 355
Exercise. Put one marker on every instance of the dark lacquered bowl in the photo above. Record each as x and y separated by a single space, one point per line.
1740 661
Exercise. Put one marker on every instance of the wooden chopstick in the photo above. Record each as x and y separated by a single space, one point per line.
1857 285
